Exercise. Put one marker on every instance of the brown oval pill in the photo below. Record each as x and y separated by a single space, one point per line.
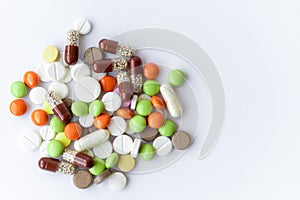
98 179
181 140
156 120
92 54
125 113
149 134
82 179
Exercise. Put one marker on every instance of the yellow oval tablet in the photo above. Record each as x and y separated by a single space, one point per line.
61 137
51 54
126 163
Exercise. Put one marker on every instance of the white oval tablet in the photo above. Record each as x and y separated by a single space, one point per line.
87 89
80 70
43 148
37 95
103 150
56 71
112 101
172 103
122 144
61 89
67 77
41 70
86 120
47 133
162 145
135 147
117 126
83 26
32 141
117 181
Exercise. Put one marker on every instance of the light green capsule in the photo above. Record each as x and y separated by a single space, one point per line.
147 152
54 148
176 77
57 125
18 89
96 108
111 160
151 87
144 107
79 108
168 129
137 123
98 168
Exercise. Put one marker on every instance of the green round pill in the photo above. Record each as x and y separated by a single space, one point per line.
144 107
147 151
98 168
54 148
18 89
151 87
111 160
79 108
137 123
61 137
96 108
57 125
168 129
176 77
47 107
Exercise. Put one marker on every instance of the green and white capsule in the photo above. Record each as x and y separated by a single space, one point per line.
171 100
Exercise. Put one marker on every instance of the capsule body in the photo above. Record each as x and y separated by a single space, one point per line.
171 100
58 107
136 73
91 140
79 159
55 165
124 85
115 47
71 49
109 65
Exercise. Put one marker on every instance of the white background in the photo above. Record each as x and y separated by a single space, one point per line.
255 46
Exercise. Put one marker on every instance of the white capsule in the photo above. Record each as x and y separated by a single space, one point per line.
171 100
91 140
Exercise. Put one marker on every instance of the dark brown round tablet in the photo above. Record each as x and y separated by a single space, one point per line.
181 140
82 179
92 54
149 134
98 179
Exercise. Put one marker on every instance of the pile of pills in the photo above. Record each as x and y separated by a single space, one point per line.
99 116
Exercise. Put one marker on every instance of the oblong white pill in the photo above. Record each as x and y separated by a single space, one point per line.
86 120
122 144
135 147
41 70
162 145
56 71
112 101
87 89
60 89
83 26
47 133
171 100
117 126
117 181
134 100
80 70
32 140
103 150
91 140
37 95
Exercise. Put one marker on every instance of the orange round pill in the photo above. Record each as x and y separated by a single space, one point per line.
73 131
156 120
31 79
158 102
102 121
151 71
108 83
18 107
39 117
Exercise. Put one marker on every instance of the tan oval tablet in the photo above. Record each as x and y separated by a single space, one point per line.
126 163
181 140
125 113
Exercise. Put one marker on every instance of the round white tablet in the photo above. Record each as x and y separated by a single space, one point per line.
83 26
61 89
32 141
67 77
56 71
86 120
41 70
134 100
80 70
128 130
117 181
37 95
103 150
162 145
117 126
47 133
112 101
122 144
135 147
43 148
87 89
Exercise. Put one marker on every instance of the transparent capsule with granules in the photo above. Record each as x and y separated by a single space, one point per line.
124 85
55 165
71 49
77 158
114 47
109 65
136 73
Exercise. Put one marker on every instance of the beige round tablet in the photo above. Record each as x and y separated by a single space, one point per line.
181 140
51 54
126 163
82 179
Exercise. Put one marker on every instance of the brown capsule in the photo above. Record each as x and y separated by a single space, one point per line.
115 47
71 49
124 85
125 113
136 73
77 158
55 165
109 65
